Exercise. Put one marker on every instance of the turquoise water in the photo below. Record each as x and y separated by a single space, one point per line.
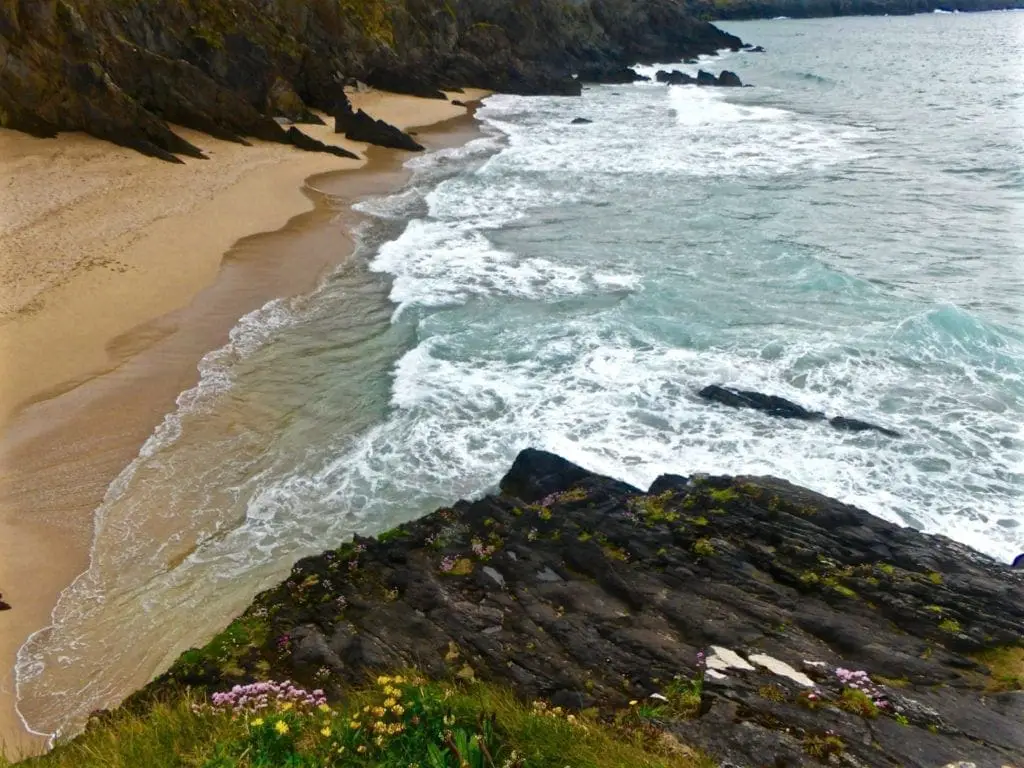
848 234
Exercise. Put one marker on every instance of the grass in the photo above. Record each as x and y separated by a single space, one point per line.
1006 667
952 626
395 723
859 703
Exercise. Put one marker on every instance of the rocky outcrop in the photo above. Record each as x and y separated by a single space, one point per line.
610 75
127 71
305 142
784 409
807 630
359 126
675 77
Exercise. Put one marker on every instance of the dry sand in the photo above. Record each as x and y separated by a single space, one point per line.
113 283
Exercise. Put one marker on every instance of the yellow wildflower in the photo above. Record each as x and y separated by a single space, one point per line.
398 709
398 680
324 708
389 702
378 711
383 680
354 725
379 741
361 748
286 706
325 731
257 722
281 727
633 703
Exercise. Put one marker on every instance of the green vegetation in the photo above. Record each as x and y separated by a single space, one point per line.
725 495
858 702
887 569
225 650
935 577
772 692
703 548
1006 666
397 722
654 508
952 626
824 746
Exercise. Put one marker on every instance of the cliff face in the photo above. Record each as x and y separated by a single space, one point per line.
123 69
829 636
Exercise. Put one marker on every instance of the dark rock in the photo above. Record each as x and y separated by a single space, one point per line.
675 77
309 144
786 409
729 79
581 121
1018 561
604 593
4 606
406 81
609 74
359 126
856 425
770 404
756 49
706 78
458 103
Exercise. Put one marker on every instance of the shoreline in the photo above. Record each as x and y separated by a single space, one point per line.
62 446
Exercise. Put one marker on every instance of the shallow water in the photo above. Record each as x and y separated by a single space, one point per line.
848 234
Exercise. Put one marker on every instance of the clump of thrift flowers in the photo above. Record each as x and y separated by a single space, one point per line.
256 697
860 681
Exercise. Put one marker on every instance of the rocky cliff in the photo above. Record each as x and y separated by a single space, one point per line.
124 69
822 634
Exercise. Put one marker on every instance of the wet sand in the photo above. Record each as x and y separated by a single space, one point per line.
97 343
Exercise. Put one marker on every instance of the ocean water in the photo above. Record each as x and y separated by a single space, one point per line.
848 234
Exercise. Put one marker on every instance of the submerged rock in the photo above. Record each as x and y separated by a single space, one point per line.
585 591
770 404
581 121
784 409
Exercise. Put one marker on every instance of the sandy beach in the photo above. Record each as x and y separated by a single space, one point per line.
117 273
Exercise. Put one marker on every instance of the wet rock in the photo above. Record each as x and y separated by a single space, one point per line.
581 121
706 78
3 605
729 79
610 74
675 77
770 404
785 409
856 425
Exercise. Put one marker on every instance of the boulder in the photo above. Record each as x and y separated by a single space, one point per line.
706 78
729 79
4 606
